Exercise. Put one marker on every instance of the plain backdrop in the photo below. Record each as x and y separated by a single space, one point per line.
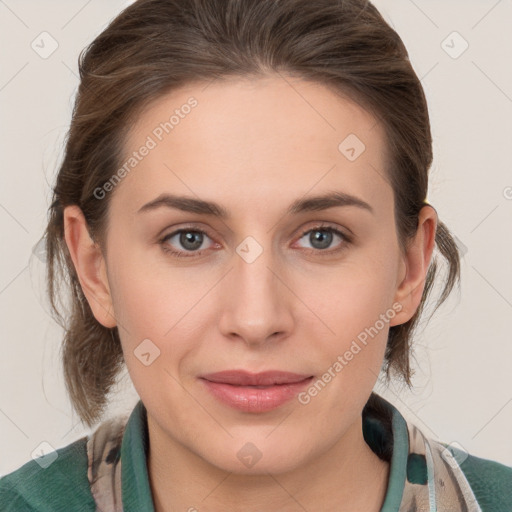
462 52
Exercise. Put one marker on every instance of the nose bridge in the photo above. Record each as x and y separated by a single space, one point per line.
255 306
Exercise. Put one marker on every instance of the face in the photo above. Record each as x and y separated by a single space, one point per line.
278 282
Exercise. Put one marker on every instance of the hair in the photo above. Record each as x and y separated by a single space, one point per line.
156 46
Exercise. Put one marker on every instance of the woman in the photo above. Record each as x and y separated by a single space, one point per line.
241 214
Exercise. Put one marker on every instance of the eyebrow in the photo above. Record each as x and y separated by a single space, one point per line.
201 206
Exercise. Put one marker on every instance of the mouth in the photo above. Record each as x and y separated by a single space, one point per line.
255 393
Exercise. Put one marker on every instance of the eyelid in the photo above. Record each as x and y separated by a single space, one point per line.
319 225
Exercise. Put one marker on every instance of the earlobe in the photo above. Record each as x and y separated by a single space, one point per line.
416 261
89 264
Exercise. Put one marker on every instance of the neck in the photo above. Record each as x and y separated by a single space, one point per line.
347 477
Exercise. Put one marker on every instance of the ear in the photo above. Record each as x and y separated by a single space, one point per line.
89 264
415 263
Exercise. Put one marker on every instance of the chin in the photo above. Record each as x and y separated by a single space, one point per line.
258 459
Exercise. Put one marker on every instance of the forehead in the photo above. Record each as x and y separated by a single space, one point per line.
255 137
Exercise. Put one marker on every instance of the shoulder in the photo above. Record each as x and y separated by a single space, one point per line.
490 481
54 482
442 476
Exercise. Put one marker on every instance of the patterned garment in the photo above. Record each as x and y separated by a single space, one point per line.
435 480
104 465
425 475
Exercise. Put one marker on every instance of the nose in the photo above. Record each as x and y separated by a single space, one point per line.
257 303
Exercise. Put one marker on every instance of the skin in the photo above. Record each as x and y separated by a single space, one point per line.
254 147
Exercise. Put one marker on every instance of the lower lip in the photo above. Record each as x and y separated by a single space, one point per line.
253 399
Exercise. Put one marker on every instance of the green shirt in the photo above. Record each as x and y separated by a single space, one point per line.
425 475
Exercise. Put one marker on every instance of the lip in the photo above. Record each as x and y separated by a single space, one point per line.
255 392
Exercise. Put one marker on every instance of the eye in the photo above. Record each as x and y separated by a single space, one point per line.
321 238
191 240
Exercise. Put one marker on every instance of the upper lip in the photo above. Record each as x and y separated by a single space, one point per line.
245 378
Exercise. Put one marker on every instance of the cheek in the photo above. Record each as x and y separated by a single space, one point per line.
352 296
160 312
356 307
361 324
149 296
350 360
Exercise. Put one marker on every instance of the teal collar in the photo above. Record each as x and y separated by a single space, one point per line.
136 491
134 474
399 437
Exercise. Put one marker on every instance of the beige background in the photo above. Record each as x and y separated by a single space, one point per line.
463 385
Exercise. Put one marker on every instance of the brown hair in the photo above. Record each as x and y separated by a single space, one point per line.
155 46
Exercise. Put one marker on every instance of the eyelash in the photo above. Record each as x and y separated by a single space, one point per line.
328 229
